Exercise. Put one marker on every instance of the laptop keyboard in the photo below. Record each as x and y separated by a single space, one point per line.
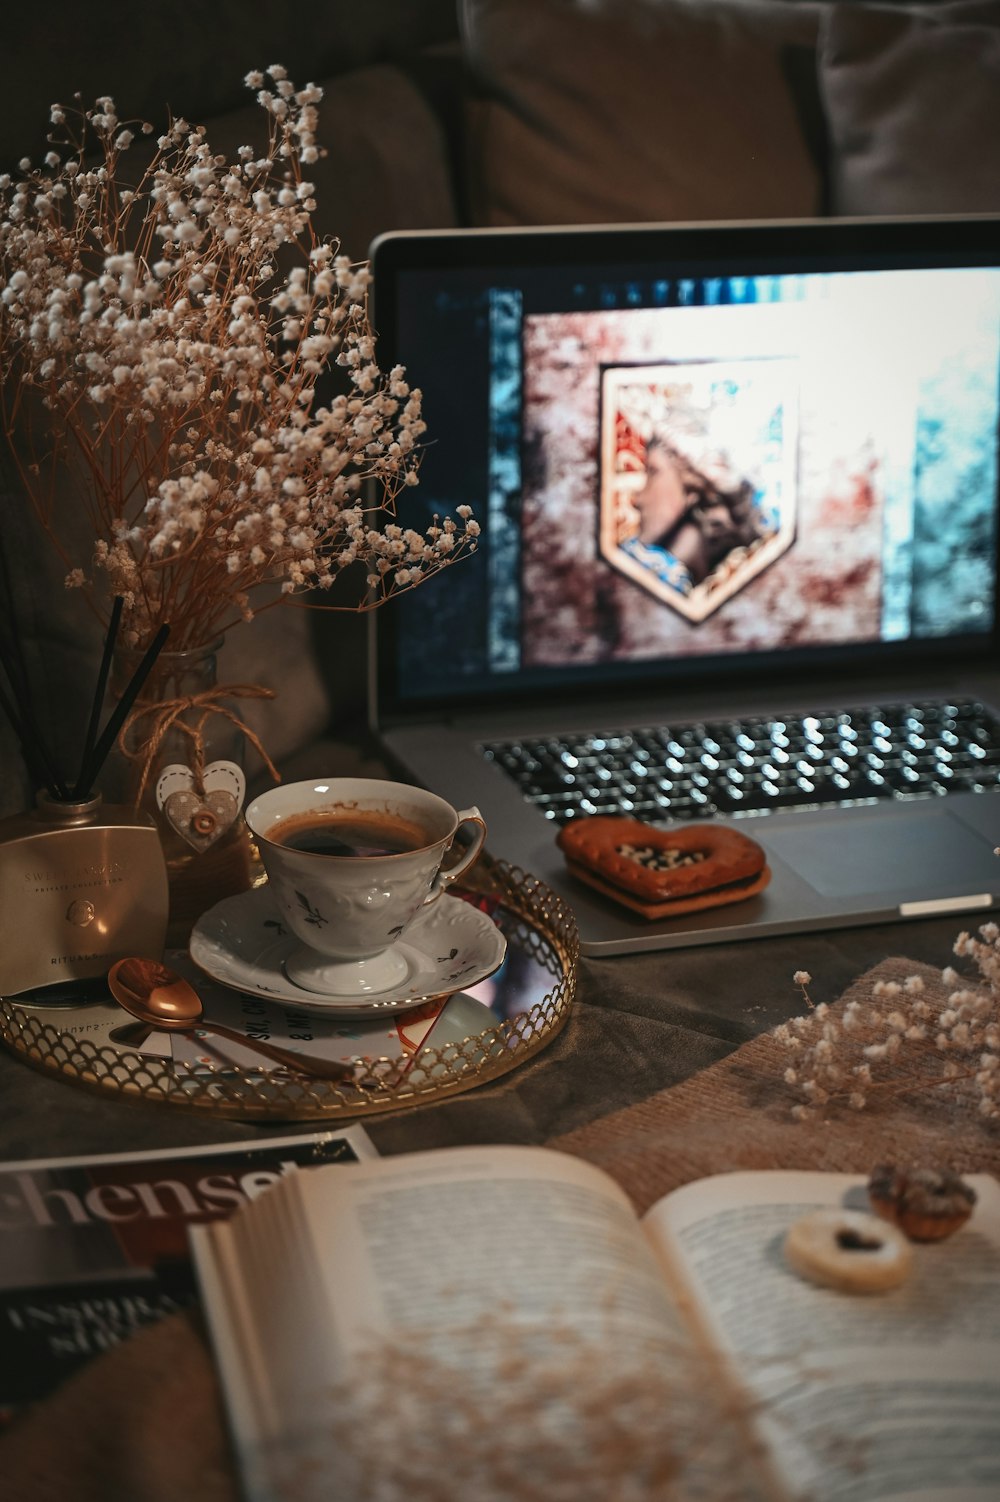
752 766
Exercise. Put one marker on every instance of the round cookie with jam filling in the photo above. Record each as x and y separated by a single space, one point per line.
849 1250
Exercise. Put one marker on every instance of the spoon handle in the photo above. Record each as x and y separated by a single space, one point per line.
324 1069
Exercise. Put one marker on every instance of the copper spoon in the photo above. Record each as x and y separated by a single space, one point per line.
166 1001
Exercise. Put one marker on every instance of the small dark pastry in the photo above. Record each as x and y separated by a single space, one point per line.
925 1204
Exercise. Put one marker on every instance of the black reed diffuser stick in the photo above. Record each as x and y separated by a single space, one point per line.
110 639
29 750
19 706
119 714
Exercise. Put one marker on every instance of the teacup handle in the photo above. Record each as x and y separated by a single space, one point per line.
444 878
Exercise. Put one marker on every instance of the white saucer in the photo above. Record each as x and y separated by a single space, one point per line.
244 943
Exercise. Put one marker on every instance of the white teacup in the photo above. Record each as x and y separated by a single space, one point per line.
351 862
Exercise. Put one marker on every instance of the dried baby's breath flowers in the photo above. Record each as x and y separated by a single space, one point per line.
175 323
906 1037
511 1412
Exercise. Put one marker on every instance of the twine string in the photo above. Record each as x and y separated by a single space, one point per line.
168 714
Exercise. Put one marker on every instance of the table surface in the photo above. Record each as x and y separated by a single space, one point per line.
640 1023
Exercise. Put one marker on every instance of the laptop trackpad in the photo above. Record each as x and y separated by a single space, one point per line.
928 853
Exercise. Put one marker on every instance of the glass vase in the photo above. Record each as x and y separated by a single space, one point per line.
180 758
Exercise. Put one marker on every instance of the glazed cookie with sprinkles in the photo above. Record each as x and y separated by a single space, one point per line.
657 871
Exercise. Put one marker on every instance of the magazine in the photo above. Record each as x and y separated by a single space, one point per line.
91 1248
441 1259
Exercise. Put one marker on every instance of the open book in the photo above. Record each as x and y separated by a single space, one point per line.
476 1322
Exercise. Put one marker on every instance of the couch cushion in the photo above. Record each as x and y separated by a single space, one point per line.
913 104
385 157
150 59
595 111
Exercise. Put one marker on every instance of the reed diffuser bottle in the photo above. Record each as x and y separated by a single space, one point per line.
82 883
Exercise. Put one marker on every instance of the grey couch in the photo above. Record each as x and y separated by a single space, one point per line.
444 112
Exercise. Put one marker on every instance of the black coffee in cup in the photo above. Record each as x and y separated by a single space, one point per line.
350 832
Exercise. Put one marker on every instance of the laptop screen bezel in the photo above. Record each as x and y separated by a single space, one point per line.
772 247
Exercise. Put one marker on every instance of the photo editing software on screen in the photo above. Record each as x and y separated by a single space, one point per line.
673 471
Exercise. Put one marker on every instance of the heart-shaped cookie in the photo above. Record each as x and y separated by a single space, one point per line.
201 818
662 871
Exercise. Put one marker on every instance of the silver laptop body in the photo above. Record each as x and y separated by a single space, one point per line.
832 385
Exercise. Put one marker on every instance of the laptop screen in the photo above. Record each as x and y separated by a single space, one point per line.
695 452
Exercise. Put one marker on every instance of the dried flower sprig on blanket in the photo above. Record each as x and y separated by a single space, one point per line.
906 1037
174 323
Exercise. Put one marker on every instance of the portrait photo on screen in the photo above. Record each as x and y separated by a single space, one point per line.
697 468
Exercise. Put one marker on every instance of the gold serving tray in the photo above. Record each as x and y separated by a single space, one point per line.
539 977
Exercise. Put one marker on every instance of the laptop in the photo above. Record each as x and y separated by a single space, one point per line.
737 488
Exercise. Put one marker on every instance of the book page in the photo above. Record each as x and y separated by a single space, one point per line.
863 1398
433 1241
477 1270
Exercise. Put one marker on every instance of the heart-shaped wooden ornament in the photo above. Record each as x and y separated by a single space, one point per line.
201 818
